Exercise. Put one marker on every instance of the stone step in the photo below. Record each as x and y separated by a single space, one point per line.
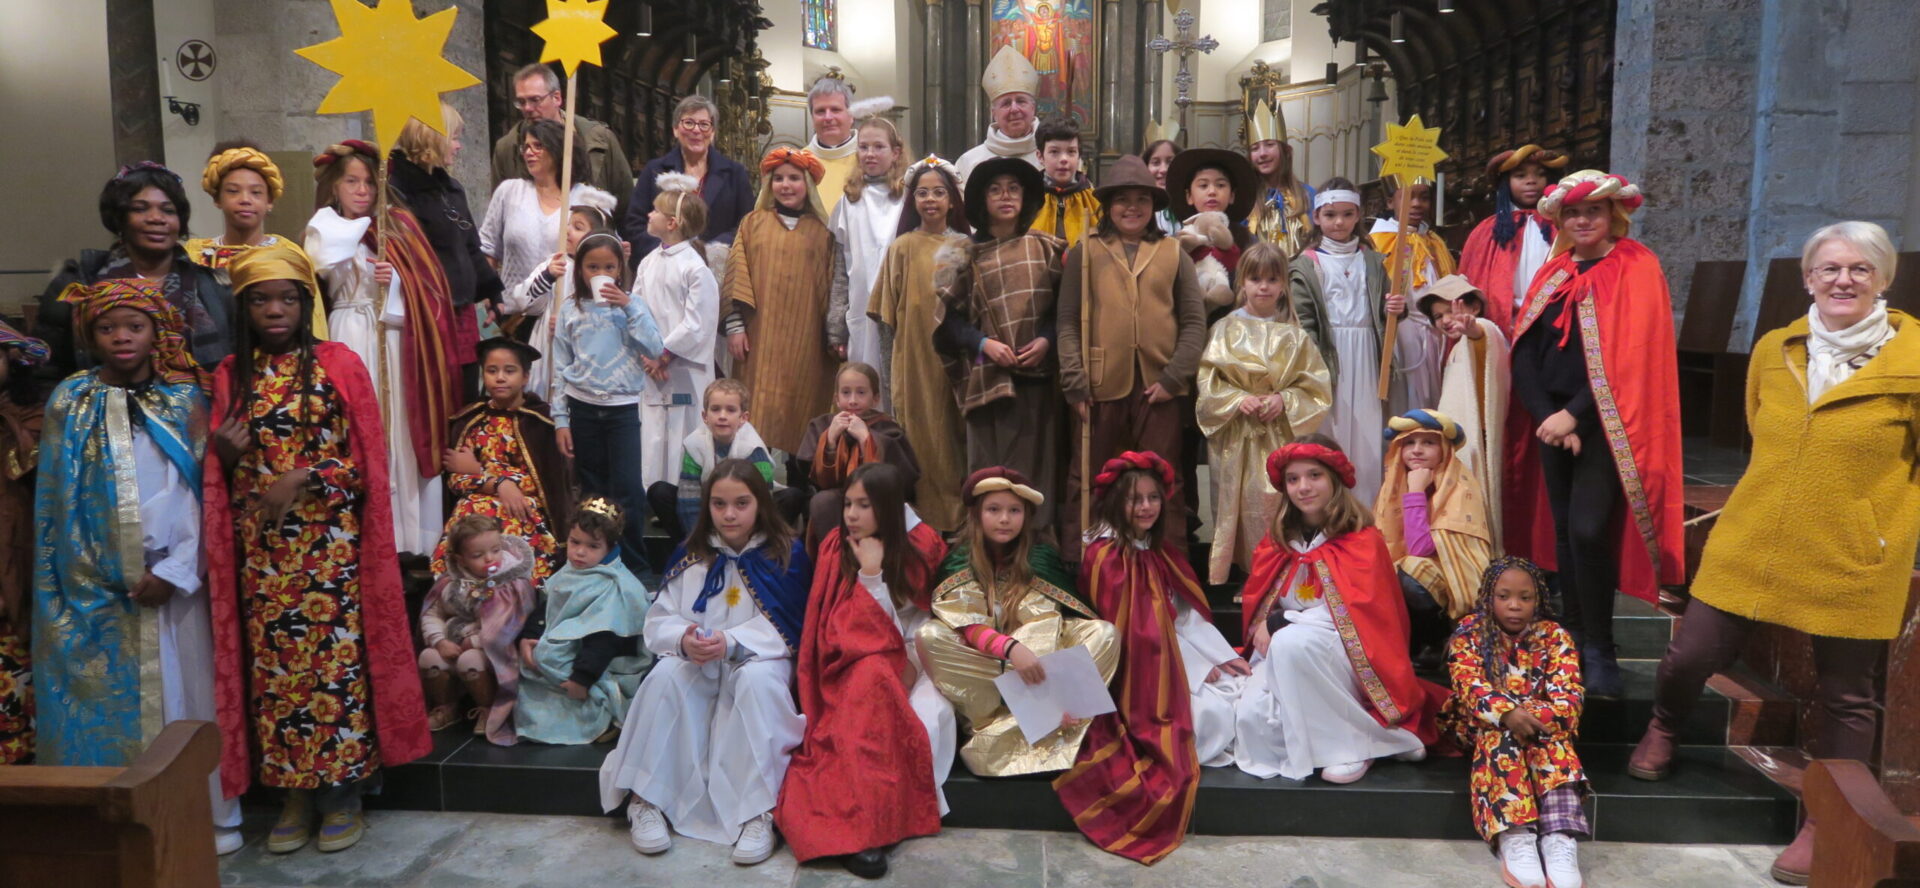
1714 795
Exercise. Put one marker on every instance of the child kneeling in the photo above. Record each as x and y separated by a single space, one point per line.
582 649
718 706
470 621
1516 707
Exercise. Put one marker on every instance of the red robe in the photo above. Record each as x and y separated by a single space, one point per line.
428 337
399 708
862 777
1625 321
1362 591
1132 788
1491 267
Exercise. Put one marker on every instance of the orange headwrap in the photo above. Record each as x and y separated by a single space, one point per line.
172 362
799 157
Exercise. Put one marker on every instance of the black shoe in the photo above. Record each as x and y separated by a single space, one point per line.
1600 672
868 864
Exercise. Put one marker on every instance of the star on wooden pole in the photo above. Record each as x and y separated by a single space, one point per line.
1409 155
390 64
573 32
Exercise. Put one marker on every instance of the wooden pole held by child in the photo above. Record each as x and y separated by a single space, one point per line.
566 163
1400 276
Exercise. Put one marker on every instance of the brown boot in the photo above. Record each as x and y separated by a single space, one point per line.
1652 759
1794 866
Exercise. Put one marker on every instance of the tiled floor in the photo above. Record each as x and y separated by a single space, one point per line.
425 850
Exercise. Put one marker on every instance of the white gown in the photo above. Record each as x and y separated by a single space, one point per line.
369 323
864 230
1303 709
170 525
1355 418
708 743
680 289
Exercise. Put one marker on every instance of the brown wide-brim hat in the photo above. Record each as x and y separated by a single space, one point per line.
1451 288
1033 190
1240 174
1130 172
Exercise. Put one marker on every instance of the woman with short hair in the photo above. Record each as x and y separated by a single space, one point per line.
723 181
1831 401
419 174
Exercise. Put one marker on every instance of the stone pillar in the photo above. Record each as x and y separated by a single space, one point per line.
1153 21
1109 93
976 65
934 82
134 81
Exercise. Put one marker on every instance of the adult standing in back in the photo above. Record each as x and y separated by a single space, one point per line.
537 93
724 184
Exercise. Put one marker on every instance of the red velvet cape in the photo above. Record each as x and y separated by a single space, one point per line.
1491 267
428 337
1131 790
399 708
1625 321
1362 590
862 776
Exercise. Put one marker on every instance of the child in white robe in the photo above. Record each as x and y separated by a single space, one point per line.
681 291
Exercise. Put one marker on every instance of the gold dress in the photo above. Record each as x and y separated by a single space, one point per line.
1047 619
1249 357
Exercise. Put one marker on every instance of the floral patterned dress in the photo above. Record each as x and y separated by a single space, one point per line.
495 441
1539 670
300 586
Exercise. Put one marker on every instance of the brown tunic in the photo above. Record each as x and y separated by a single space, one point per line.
1006 289
779 281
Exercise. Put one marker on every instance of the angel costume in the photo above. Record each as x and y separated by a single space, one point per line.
684 297
862 231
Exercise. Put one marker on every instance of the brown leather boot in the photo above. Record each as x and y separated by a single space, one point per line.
1794 866
1652 759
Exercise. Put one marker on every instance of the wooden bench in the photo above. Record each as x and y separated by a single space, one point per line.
148 825
1713 300
1864 840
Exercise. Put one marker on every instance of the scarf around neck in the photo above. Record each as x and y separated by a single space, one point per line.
1006 146
1833 356
1329 245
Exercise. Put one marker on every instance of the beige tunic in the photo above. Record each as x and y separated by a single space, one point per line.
780 281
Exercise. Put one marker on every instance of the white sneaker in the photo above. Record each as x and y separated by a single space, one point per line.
1520 859
1562 855
756 841
227 840
647 826
1347 773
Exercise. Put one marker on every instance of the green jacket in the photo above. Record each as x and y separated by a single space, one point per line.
1310 304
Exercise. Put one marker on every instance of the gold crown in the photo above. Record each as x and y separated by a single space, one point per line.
1266 124
601 506
1157 131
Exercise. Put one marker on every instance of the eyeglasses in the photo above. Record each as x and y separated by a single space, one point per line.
1827 274
524 102
696 126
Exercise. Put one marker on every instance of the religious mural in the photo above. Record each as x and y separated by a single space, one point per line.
1058 37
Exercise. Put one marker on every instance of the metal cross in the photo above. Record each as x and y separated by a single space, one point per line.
1185 46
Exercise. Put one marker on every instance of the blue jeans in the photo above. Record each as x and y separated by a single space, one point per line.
606 456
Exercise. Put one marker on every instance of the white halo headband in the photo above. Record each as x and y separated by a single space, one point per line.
1333 196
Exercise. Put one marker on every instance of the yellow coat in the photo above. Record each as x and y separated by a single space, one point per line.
1819 535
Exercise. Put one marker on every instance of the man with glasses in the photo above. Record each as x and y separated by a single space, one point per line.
537 93
1009 81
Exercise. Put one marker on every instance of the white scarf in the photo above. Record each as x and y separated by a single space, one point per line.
1833 357
1329 245
1001 144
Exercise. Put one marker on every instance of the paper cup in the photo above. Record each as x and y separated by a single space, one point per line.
595 283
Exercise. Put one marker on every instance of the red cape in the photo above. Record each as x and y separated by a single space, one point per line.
1491 267
862 776
432 366
1362 591
399 709
1131 790
1626 324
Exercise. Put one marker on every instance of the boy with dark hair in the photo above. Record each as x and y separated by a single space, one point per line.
1071 209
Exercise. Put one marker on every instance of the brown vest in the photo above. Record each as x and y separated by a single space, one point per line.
1133 318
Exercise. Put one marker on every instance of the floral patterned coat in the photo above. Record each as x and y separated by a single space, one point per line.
1541 672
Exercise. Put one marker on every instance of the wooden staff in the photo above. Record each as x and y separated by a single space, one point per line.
566 163
1400 273
1086 425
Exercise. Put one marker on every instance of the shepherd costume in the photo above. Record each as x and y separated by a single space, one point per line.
515 445
317 681
119 499
1253 357
1336 686
1214 239
1442 540
780 277
1507 248
1131 790
1474 391
483 614
832 462
403 336
877 748
20 426
717 735
588 629
1596 340
1071 212
905 305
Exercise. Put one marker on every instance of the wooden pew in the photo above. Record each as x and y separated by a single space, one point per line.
1863 840
148 825
1712 301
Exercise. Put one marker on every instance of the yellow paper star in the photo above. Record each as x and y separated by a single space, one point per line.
390 64
574 30
1410 151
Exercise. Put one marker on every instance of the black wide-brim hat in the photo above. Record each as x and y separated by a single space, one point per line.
1240 174
1033 190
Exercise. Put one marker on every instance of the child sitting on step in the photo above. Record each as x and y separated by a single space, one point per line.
470 621
838 443
1516 708
1435 523
726 433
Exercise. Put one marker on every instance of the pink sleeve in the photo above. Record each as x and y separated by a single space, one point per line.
1413 524
984 639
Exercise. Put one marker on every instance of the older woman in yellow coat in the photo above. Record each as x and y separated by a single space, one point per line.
1833 400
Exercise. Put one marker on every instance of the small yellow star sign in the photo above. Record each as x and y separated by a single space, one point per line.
1410 151
389 63
574 30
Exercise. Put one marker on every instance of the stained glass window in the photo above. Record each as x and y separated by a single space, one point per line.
819 18
1276 20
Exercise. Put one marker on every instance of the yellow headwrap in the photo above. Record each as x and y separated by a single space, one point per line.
219 165
279 261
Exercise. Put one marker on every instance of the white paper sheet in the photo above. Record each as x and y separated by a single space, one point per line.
1073 687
